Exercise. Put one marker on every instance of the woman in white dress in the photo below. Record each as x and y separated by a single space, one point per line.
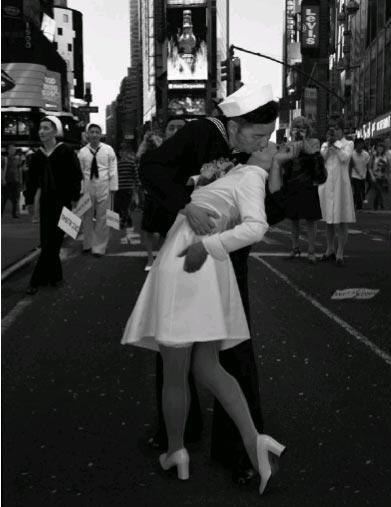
190 308
336 196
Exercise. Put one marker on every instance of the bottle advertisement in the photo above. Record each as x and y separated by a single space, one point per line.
187 56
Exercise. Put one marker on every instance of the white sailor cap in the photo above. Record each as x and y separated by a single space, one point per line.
248 98
57 122
93 124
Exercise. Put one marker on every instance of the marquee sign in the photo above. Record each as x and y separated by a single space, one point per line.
310 27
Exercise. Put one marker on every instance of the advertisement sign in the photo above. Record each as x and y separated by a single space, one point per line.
379 126
51 91
310 27
186 105
185 3
186 86
311 103
187 58
12 9
112 219
35 86
290 21
69 223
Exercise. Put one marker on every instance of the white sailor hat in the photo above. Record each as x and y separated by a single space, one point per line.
57 122
93 124
248 98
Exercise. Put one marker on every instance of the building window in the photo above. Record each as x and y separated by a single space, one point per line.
65 18
379 91
69 47
59 31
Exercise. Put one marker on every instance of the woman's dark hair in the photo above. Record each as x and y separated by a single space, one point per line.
263 115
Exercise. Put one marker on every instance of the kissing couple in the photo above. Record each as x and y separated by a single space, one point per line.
193 308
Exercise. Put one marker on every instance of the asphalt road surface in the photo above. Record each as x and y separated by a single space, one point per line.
78 407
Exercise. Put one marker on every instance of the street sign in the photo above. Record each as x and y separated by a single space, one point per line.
88 109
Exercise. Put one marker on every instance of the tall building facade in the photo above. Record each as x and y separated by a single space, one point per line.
68 37
177 47
306 49
147 16
35 74
360 64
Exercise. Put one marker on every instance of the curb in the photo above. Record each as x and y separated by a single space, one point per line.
20 264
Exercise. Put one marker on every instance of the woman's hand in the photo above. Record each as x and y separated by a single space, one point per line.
263 158
195 256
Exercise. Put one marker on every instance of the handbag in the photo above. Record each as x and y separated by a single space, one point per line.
319 171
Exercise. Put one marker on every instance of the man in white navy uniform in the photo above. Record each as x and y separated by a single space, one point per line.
99 166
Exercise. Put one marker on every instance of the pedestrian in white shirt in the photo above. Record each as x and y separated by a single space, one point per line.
99 166
336 196
360 164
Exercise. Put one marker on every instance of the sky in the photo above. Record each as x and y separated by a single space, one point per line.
254 24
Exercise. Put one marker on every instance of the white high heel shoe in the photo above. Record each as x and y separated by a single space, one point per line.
266 445
180 459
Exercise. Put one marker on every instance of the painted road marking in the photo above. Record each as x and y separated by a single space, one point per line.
347 327
270 241
16 311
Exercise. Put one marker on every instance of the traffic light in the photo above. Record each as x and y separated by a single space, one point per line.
87 94
224 69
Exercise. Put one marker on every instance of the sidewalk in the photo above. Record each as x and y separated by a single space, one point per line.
19 237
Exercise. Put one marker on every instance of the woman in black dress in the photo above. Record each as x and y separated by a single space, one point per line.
302 175
55 169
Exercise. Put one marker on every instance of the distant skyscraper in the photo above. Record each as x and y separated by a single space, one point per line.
68 36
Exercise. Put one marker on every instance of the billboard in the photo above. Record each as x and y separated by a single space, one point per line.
35 86
187 55
184 105
311 103
310 27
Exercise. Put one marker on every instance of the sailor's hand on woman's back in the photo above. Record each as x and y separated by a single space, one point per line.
200 219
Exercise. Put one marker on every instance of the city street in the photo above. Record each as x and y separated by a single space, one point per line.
79 407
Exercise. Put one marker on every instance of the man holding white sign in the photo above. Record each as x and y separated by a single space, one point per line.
99 166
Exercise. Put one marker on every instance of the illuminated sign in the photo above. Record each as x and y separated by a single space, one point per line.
290 21
185 3
378 126
12 9
187 55
310 27
186 105
311 103
186 86
35 86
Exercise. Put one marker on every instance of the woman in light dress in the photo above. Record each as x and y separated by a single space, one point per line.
336 196
190 308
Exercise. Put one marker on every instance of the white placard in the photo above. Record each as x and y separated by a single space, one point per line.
69 223
83 205
355 293
112 219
